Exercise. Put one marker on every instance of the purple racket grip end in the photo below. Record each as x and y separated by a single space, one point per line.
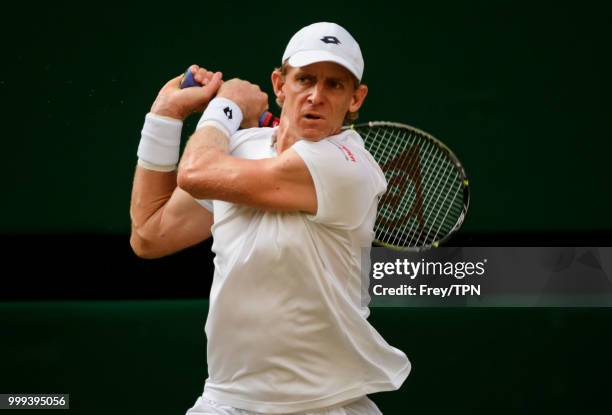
267 119
264 119
188 80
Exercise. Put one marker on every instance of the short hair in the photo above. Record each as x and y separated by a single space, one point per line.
349 118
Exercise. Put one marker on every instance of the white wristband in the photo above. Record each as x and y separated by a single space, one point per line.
223 112
216 124
160 143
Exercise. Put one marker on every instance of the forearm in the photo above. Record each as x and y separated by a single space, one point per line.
203 169
150 192
155 176
281 183
165 219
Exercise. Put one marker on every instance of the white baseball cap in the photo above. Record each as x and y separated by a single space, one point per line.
324 41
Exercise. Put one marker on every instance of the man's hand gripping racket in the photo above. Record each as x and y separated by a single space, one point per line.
428 194
267 119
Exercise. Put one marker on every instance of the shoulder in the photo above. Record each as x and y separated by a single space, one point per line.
347 179
345 151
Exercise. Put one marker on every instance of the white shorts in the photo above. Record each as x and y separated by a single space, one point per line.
362 406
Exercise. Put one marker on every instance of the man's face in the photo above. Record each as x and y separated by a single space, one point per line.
317 97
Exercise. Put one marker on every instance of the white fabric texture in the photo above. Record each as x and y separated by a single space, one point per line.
363 406
287 328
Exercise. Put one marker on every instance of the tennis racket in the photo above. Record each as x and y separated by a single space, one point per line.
427 195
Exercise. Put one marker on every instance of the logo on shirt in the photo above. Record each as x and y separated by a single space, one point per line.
348 154
330 39
228 112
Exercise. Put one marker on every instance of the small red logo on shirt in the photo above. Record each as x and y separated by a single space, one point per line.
348 154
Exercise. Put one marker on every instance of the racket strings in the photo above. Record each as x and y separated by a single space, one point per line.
419 220
441 190
454 197
448 185
386 153
378 146
395 213
409 167
389 152
453 182
441 209
385 149
437 191
432 160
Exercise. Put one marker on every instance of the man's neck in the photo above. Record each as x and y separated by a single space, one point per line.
283 142
283 139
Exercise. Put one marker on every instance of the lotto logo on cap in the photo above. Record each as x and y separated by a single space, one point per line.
321 42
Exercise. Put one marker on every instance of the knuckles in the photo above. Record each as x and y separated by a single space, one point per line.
249 96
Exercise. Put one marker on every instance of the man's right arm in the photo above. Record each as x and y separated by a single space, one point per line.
165 219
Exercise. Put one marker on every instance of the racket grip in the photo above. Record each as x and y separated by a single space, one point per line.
188 80
267 119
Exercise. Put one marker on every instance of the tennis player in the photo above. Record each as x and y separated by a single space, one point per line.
292 207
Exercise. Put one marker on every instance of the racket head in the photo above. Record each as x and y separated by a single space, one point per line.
427 195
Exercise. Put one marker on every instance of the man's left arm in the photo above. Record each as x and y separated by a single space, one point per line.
206 171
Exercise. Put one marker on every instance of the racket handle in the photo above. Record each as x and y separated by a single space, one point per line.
267 119
188 80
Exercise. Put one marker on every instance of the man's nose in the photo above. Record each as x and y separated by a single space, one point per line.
316 93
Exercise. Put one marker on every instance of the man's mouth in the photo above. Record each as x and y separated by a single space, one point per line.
312 116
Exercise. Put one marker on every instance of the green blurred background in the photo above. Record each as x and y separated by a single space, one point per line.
148 357
519 90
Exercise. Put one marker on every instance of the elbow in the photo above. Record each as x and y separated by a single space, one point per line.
200 176
142 247
185 178
192 180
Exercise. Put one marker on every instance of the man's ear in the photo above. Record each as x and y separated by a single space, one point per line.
278 81
358 97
